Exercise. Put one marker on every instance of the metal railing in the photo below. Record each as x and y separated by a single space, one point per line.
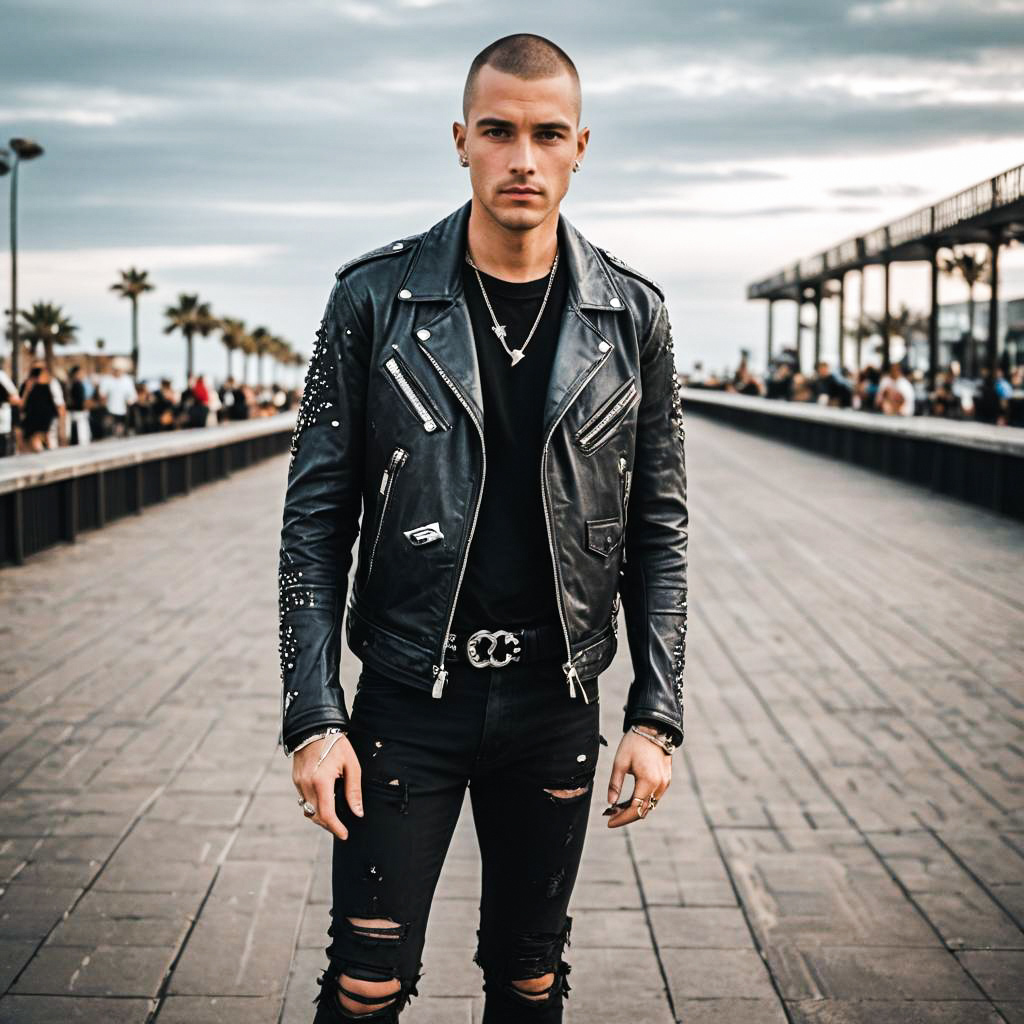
921 226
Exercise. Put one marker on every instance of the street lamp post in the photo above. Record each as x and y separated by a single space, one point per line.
24 149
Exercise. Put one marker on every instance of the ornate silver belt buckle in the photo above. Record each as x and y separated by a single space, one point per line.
498 638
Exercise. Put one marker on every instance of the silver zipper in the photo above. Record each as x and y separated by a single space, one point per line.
626 475
568 668
387 480
429 423
440 672
616 408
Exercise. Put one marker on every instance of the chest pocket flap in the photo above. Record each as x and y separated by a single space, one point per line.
604 535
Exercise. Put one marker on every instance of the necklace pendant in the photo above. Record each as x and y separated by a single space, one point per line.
517 354
499 330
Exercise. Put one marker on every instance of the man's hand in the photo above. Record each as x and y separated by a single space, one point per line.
651 769
317 784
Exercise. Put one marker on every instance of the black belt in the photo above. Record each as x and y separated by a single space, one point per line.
496 648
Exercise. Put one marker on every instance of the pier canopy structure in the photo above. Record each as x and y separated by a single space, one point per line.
990 213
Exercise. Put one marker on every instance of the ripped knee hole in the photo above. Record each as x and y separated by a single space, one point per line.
535 989
567 794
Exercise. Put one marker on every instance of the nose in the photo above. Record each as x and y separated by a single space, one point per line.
521 158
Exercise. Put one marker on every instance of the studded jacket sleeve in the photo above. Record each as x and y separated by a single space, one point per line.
654 581
320 522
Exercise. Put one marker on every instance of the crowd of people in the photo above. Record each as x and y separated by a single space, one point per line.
51 412
893 391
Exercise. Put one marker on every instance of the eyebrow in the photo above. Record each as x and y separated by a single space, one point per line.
498 122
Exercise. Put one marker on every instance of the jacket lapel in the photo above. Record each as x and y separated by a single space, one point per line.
436 276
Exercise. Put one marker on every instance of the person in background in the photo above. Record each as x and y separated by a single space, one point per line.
895 395
989 406
163 406
239 409
79 432
10 403
832 389
39 410
119 392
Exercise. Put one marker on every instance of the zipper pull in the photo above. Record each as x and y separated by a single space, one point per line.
442 678
571 677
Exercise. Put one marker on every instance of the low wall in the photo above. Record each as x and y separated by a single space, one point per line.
975 462
52 496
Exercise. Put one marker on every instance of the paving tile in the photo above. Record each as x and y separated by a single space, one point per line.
96 971
850 973
880 1011
221 1010
700 928
733 1011
1000 972
18 1009
716 974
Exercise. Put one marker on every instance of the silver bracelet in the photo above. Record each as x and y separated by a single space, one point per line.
660 739
316 736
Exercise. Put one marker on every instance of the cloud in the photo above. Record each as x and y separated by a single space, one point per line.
875 191
84 107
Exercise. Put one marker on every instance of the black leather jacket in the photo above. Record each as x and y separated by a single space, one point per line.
391 422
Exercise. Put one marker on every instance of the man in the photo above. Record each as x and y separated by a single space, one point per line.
80 433
895 396
496 393
118 393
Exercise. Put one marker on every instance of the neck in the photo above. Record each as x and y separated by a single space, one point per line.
511 255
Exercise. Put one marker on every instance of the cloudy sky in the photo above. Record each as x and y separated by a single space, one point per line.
244 149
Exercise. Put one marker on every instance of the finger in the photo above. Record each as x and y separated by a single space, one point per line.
642 790
354 784
618 777
311 794
326 816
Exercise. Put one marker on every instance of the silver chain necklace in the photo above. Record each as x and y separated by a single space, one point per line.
499 329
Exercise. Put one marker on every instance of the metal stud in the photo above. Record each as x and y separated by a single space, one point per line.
405 294
397 245
423 334
614 301
604 346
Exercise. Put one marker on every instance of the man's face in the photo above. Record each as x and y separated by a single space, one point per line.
521 141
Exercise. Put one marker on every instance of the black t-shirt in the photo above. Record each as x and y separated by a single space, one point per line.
509 579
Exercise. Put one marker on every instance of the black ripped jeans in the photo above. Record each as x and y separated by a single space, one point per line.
511 734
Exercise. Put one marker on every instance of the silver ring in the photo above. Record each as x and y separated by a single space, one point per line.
307 808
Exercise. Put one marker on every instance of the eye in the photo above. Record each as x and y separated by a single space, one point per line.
550 134
487 131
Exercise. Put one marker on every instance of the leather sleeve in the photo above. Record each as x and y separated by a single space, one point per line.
654 583
321 521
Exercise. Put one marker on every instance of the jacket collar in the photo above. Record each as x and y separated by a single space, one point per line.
436 273
436 276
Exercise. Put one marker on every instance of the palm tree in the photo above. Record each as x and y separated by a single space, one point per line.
232 334
263 341
191 317
282 354
132 284
974 269
46 323
249 349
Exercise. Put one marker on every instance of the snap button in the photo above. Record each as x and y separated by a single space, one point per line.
614 301
397 245
405 294
609 540
604 346
423 334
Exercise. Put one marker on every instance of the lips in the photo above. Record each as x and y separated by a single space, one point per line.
521 192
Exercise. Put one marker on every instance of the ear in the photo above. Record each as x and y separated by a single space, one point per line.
582 139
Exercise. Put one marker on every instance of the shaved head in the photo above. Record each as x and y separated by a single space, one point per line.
526 56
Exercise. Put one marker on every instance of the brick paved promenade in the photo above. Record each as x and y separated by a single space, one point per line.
843 842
